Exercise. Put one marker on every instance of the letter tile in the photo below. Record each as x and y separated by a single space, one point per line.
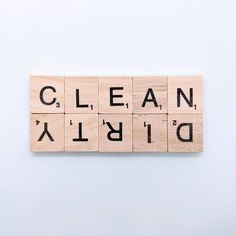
115 133
185 95
47 133
185 133
81 132
150 94
115 95
81 95
47 94
150 133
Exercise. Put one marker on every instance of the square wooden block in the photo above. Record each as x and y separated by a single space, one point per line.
150 94
81 95
150 133
115 95
115 133
185 95
47 133
185 133
81 132
46 94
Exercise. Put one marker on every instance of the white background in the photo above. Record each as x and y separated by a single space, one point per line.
119 194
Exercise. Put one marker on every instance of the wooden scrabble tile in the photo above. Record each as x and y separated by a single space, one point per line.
150 133
47 133
185 95
81 132
81 95
46 94
150 94
115 133
185 133
115 95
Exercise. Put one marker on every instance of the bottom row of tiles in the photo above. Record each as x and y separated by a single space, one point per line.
115 133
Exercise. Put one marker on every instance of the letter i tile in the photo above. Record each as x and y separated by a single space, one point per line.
47 94
150 133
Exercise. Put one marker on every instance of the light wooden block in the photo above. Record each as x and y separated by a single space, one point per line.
185 95
47 133
115 95
185 133
150 133
115 133
150 94
81 132
47 94
81 95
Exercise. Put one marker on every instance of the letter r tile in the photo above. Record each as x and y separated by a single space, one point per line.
46 94
185 95
47 133
185 133
115 133
115 95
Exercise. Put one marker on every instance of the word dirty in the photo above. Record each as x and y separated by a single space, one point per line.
116 114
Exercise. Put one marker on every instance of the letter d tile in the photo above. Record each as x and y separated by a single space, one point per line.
185 133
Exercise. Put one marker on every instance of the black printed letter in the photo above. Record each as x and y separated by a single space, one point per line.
77 100
46 132
80 139
42 92
190 138
152 99
113 131
189 101
115 96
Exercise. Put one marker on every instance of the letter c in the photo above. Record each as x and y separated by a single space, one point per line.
41 95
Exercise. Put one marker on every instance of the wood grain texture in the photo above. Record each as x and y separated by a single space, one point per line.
185 133
51 90
154 89
81 95
122 87
150 133
120 122
53 139
81 132
186 84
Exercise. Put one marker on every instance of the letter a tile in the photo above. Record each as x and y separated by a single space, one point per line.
47 133
115 133
150 94
185 133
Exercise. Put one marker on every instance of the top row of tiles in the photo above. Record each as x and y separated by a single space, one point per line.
173 95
